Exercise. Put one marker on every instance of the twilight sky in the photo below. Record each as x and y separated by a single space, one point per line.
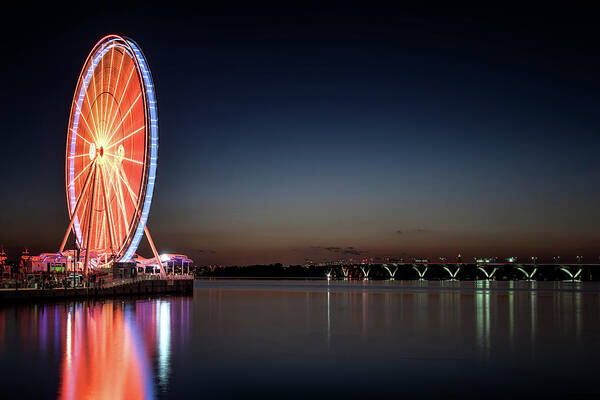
348 131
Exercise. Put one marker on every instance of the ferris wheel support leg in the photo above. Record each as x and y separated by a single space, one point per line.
162 270
89 226
108 216
77 206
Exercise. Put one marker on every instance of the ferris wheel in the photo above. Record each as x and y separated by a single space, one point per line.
112 153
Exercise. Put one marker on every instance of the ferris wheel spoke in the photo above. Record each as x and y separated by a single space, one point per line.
82 138
123 212
113 184
89 227
111 188
85 120
111 145
81 172
111 235
99 222
114 216
93 130
132 195
85 214
78 204
102 240
114 117
95 103
121 98
123 119
82 222
104 103
120 200
123 177
101 98
89 104
78 155
124 158
83 190
110 116
112 53
93 107
91 214
97 240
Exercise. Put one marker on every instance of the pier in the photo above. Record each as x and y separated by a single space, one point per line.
139 286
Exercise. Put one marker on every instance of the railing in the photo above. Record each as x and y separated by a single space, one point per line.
179 277
112 282
98 282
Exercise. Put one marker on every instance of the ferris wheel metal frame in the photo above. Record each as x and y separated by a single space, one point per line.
101 221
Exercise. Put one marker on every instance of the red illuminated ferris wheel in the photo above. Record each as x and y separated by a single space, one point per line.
112 152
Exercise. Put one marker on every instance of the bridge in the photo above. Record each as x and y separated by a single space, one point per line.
461 270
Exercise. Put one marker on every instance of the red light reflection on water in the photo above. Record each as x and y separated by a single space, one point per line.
104 355
110 349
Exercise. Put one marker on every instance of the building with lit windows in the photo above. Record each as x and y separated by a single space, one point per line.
174 264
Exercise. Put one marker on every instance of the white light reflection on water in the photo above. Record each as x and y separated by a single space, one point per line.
482 304
328 317
68 345
163 328
533 314
511 315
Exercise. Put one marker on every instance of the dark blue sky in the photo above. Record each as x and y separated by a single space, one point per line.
301 131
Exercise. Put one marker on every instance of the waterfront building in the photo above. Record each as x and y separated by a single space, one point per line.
50 262
65 262
174 264
5 269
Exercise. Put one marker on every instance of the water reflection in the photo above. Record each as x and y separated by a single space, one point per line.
533 317
163 327
328 317
110 350
104 355
511 315
482 315
267 336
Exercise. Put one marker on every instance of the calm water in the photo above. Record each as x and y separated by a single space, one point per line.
293 339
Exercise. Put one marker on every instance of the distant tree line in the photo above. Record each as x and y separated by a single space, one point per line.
262 271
